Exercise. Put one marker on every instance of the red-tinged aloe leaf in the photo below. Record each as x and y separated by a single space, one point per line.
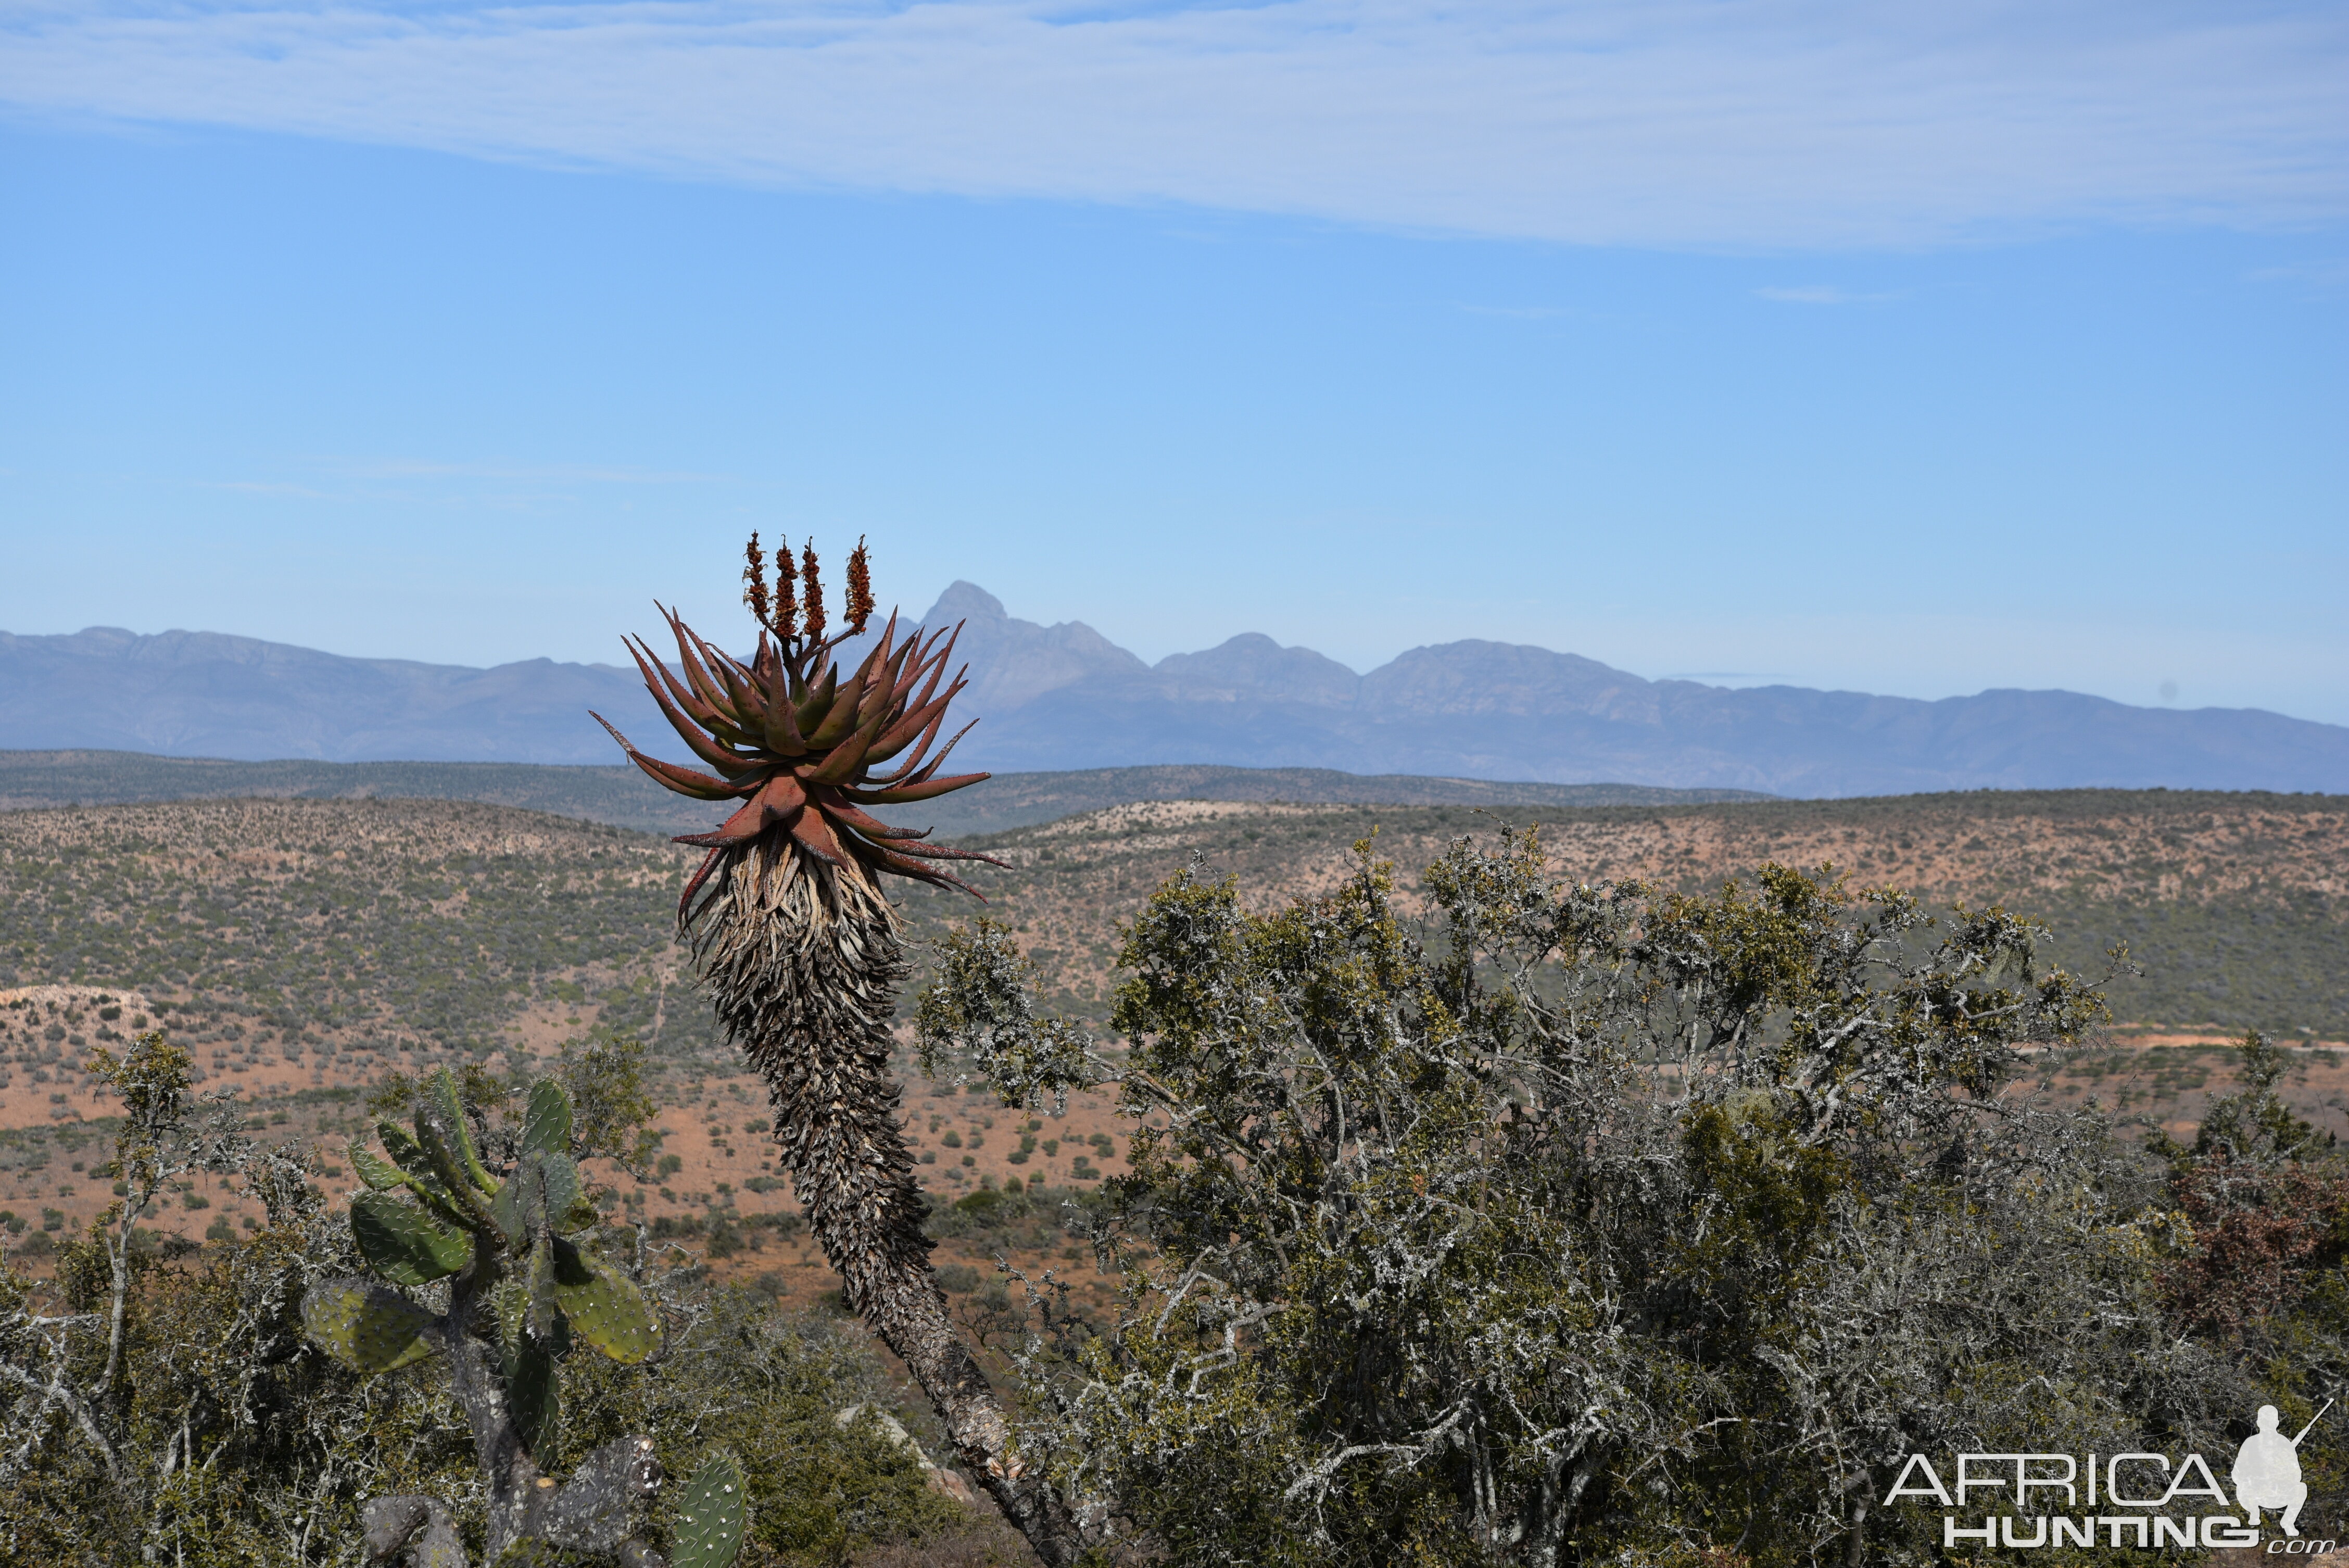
815 834
732 677
940 852
847 759
687 697
709 718
704 746
935 659
930 874
688 658
738 829
684 899
840 721
781 799
691 651
848 813
783 737
741 687
894 654
907 794
669 775
922 775
715 717
898 735
817 706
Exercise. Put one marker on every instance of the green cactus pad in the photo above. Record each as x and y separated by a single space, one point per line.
544 1312
441 1147
404 1243
366 1325
380 1175
711 1514
546 1128
405 1151
440 1110
605 1307
519 1207
534 1398
567 1208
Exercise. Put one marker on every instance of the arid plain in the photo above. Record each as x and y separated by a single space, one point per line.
303 950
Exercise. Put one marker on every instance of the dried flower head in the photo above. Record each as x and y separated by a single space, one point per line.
814 591
754 582
786 623
860 590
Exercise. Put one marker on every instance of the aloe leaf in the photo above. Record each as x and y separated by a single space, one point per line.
404 1243
380 1175
711 1514
366 1325
546 1127
605 1307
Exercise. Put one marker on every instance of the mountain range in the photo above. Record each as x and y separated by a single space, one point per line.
1065 696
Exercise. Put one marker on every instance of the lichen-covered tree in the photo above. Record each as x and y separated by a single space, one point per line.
803 955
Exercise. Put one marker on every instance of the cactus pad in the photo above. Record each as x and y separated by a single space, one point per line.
519 1207
535 1400
711 1514
380 1175
366 1325
546 1128
439 1110
404 1243
605 1307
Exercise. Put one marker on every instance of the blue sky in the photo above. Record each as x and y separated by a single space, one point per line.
1990 345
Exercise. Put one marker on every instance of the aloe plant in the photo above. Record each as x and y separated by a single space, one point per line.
522 1295
802 953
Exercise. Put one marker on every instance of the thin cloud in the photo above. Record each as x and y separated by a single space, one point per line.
1710 123
555 473
1820 294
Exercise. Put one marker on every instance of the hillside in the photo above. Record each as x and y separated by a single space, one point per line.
305 948
625 798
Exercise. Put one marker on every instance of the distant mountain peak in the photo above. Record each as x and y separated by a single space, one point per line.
965 601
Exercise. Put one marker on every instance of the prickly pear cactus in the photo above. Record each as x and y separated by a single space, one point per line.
367 1326
433 1209
604 1307
711 1514
405 1243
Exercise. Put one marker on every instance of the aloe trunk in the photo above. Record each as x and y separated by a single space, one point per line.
803 961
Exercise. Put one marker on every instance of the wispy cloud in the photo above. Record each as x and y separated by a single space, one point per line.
1752 123
1821 294
529 473
263 487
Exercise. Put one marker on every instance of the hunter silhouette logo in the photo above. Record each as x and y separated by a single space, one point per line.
2267 1471
2140 1499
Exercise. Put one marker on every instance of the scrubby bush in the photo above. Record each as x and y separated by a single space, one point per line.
1602 1225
